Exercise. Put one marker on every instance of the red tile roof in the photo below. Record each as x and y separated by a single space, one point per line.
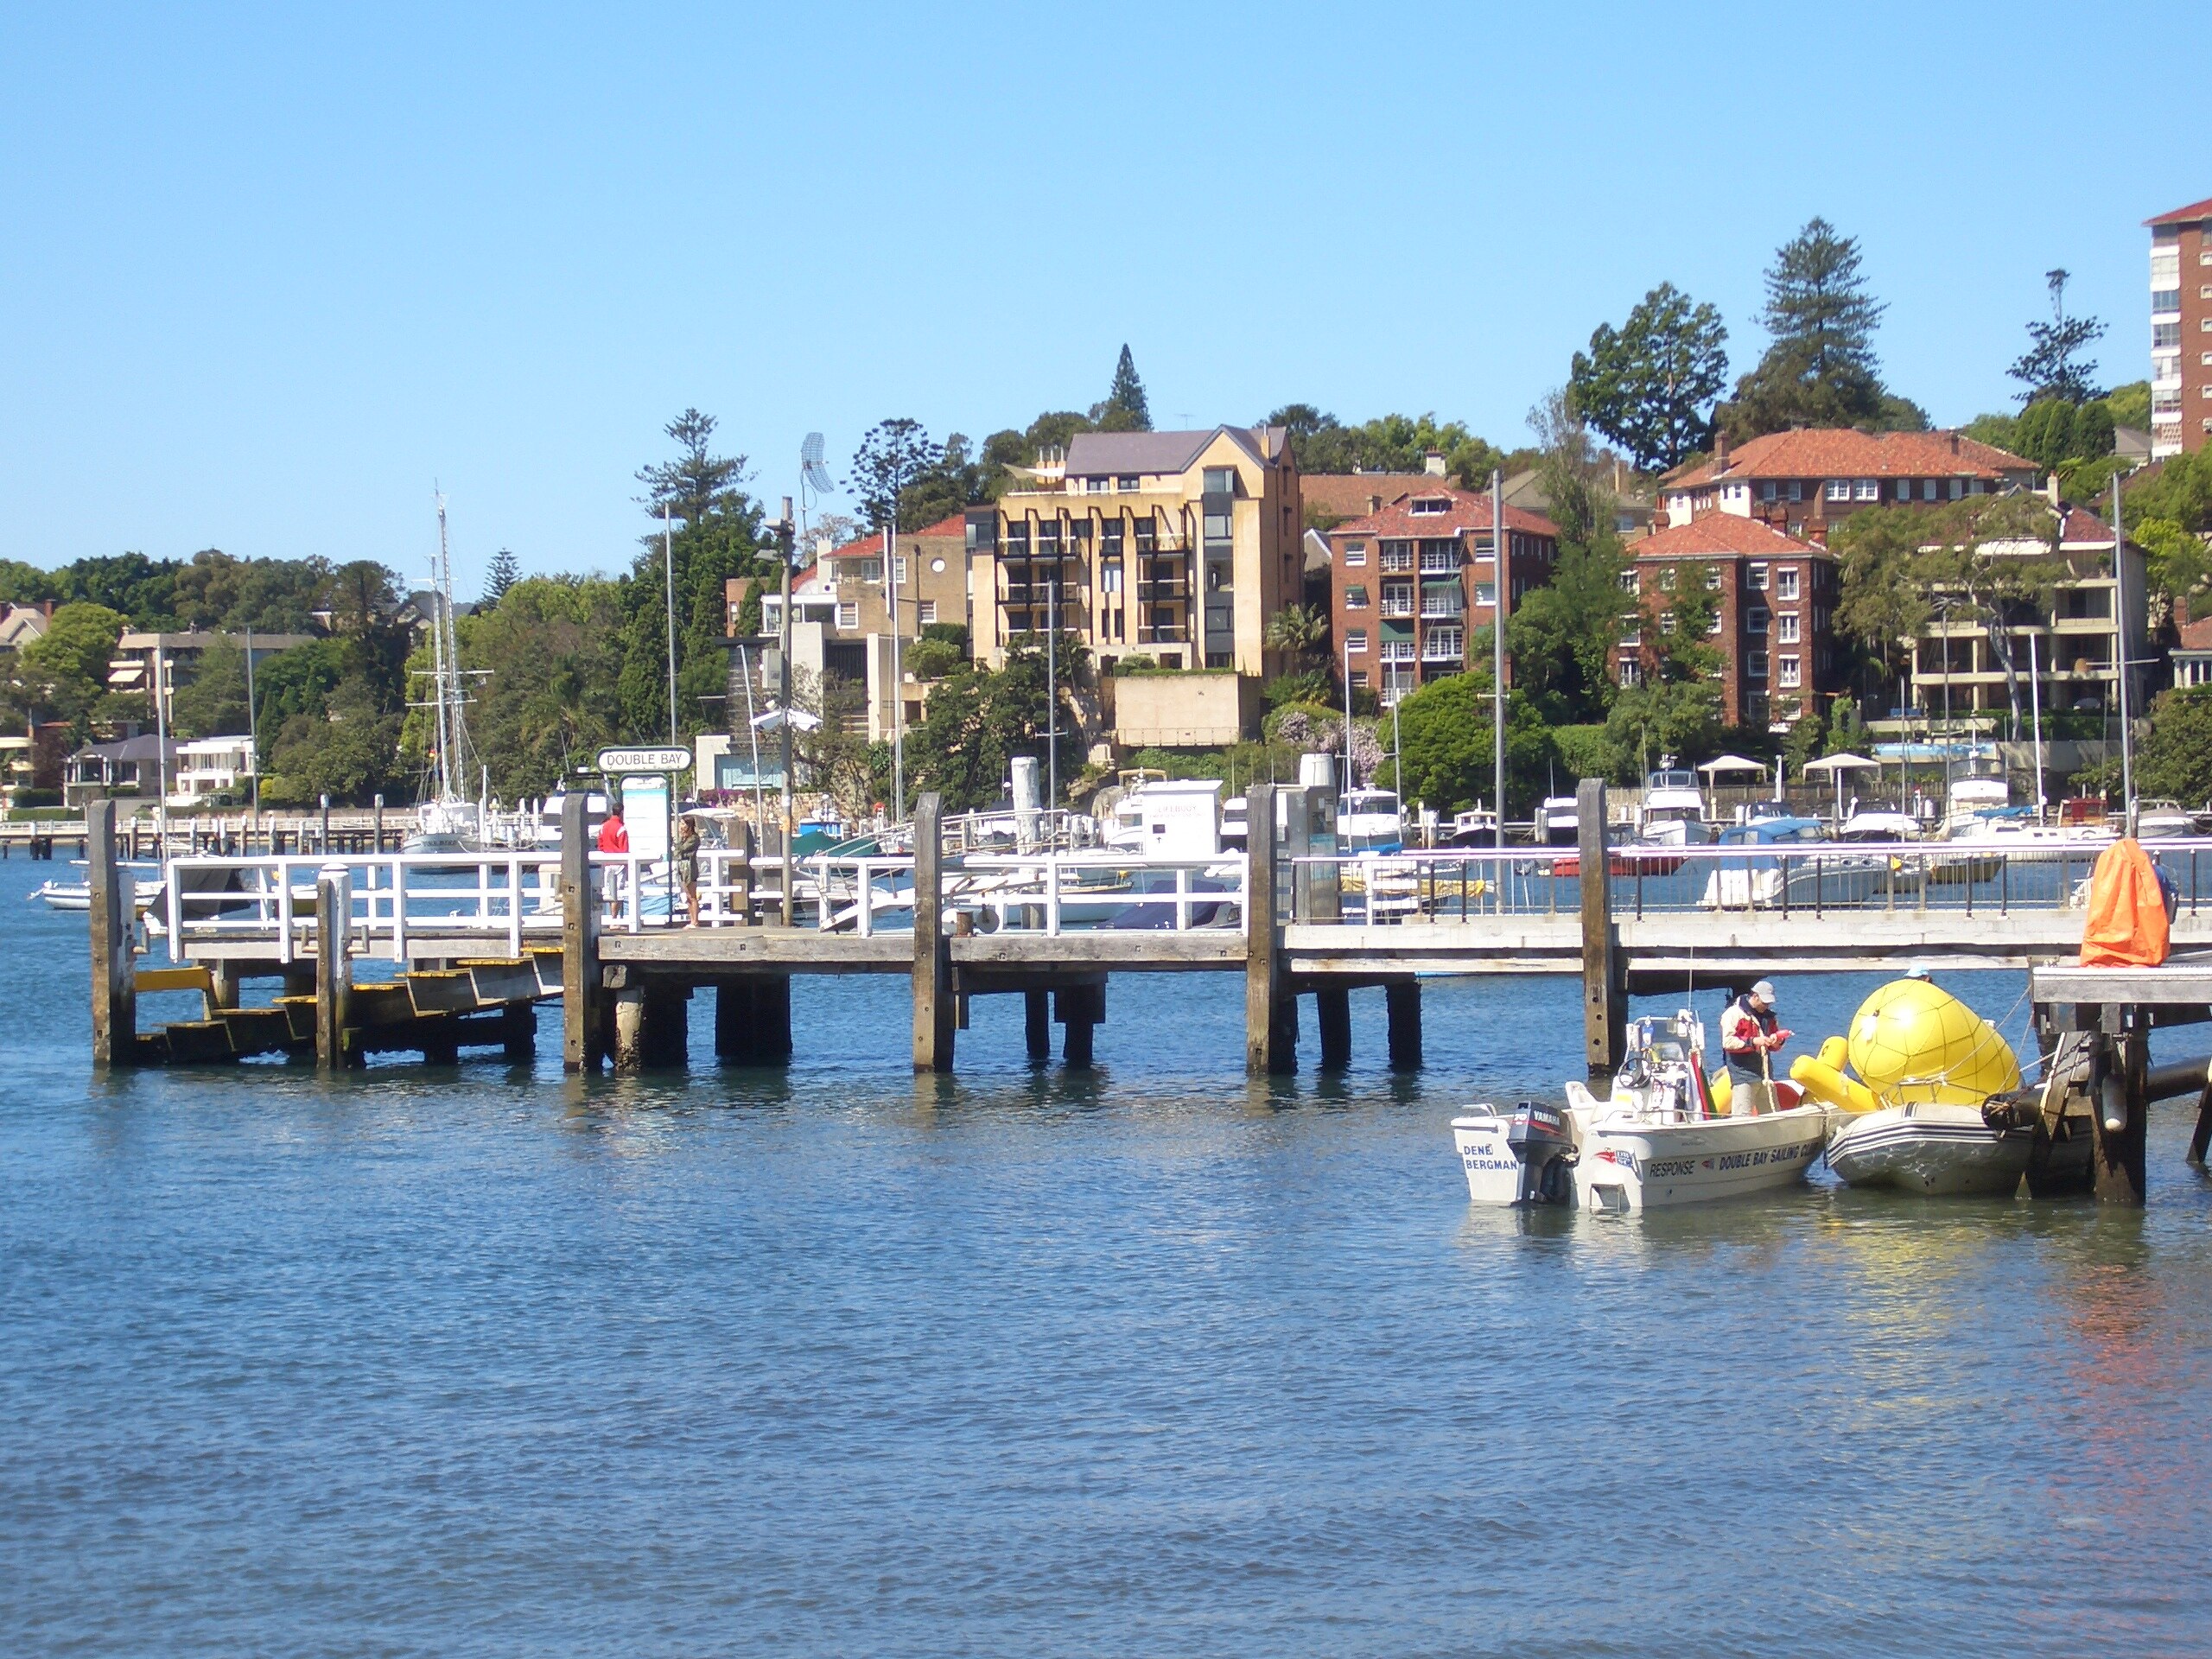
2194 636
1468 511
1723 534
870 546
1839 452
1346 494
2188 215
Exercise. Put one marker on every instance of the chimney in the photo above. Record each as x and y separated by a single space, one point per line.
1433 463
1375 503
1954 443
1720 451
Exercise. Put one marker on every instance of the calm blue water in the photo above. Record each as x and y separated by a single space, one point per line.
486 1362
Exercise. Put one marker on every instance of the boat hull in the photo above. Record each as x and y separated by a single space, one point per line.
1630 1168
1937 1151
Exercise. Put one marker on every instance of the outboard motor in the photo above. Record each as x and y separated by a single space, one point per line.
1541 1140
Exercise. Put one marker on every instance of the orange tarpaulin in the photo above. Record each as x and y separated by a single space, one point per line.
2128 911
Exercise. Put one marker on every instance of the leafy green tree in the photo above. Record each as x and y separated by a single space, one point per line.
1564 635
1390 444
1125 408
502 573
1650 384
1446 747
2051 368
216 591
549 655
1006 451
301 681
979 719
1819 370
26 584
1656 717
2178 489
2176 562
2130 404
350 754
143 590
2055 433
64 670
958 479
2174 759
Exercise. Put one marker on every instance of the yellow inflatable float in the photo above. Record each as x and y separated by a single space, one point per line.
1911 1041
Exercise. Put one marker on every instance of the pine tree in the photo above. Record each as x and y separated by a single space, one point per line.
1125 408
1820 369
2047 369
505 571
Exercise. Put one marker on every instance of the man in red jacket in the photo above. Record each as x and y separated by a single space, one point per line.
1751 1035
614 835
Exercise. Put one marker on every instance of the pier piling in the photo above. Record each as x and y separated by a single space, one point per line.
115 970
1402 1001
1605 992
334 974
583 1046
1333 1012
935 1016
1270 1007
1037 1025
2117 1159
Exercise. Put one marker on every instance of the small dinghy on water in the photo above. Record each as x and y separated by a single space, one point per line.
1921 1065
1661 1137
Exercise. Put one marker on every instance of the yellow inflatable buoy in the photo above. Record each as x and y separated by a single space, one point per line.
1912 1041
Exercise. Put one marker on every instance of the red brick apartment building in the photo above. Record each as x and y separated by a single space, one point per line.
1802 482
1774 621
1411 582
2181 330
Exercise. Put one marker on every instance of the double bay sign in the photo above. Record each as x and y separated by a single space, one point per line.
671 758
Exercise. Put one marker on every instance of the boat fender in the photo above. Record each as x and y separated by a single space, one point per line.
2016 1108
1827 1084
2112 1099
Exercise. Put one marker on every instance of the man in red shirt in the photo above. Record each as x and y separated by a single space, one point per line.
1751 1035
614 835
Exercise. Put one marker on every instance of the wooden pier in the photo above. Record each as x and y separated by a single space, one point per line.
1299 919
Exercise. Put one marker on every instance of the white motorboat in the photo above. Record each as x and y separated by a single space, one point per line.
1558 821
1656 1139
76 896
1938 1150
1673 810
2163 820
1370 821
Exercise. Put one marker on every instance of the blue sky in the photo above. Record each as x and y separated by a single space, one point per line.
268 272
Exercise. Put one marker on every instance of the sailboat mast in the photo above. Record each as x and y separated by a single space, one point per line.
439 665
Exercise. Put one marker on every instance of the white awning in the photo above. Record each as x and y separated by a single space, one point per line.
1843 763
1732 763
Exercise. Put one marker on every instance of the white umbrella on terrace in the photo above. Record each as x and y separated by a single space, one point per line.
1837 765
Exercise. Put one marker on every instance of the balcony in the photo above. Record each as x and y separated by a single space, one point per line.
1171 591
1177 635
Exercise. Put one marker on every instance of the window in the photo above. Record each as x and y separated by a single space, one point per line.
1797 489
1356 641
1767 489
1440 558
1755 620
925 613
1866 489
1755 665
1356 597
1359 679
1632 670
1428 507
1905 489
1785 628
1787 677
1839 489
1928 489
1355 553
1667 580
2165 299
1398 599
1713 627
1109 576
1397 555
1628 581
1666 621
1445 644
1486 595
848 615
1958 488
1757 580
1094 486
2165 336
1785 582
1220 480
1126 481
898 566
2205 324
1217 526
1713 579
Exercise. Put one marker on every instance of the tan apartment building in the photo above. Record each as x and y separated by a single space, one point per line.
2181 330
1411 582
1774 599
1804 482
1174 546
2074 650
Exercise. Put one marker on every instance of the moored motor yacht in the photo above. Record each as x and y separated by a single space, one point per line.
1659 1138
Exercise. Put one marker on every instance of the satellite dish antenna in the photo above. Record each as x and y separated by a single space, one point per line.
813 475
